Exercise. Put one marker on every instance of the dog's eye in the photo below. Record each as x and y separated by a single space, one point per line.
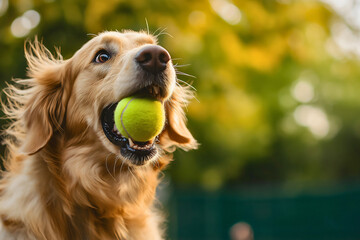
102 56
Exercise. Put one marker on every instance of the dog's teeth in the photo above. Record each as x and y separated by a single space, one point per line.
156 90
141 147
116 130
131 143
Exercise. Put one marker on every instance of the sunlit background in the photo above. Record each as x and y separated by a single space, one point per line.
277 108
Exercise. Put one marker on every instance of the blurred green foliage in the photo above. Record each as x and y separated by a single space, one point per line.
277 98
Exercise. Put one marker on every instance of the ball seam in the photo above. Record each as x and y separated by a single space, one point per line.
122 114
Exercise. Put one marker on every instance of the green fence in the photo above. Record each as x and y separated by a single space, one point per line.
319 213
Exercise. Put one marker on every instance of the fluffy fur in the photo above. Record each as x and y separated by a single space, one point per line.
64 178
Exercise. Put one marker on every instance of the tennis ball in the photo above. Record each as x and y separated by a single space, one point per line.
139 118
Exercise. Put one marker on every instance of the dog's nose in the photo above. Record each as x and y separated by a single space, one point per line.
153 58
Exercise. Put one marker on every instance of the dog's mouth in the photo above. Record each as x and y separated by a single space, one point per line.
138 153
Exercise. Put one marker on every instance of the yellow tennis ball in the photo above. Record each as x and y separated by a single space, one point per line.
139 118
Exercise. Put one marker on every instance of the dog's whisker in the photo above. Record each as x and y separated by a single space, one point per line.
122 164
92 34
129 169
147 26
177 65
162 32
184 74
178 84
107 167
166 34
154 33
116 159
186 83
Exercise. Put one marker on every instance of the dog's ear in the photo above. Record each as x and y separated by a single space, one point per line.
51 81
175 133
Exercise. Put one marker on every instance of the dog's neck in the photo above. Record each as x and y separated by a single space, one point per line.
91 188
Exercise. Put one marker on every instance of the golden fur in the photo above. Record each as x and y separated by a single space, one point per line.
64 178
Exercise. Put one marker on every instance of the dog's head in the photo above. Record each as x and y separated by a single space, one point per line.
79 95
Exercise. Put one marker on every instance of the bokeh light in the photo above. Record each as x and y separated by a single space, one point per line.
313 118
227 10
22 25
303 91
3 6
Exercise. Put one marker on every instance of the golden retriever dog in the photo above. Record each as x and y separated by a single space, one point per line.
70 175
